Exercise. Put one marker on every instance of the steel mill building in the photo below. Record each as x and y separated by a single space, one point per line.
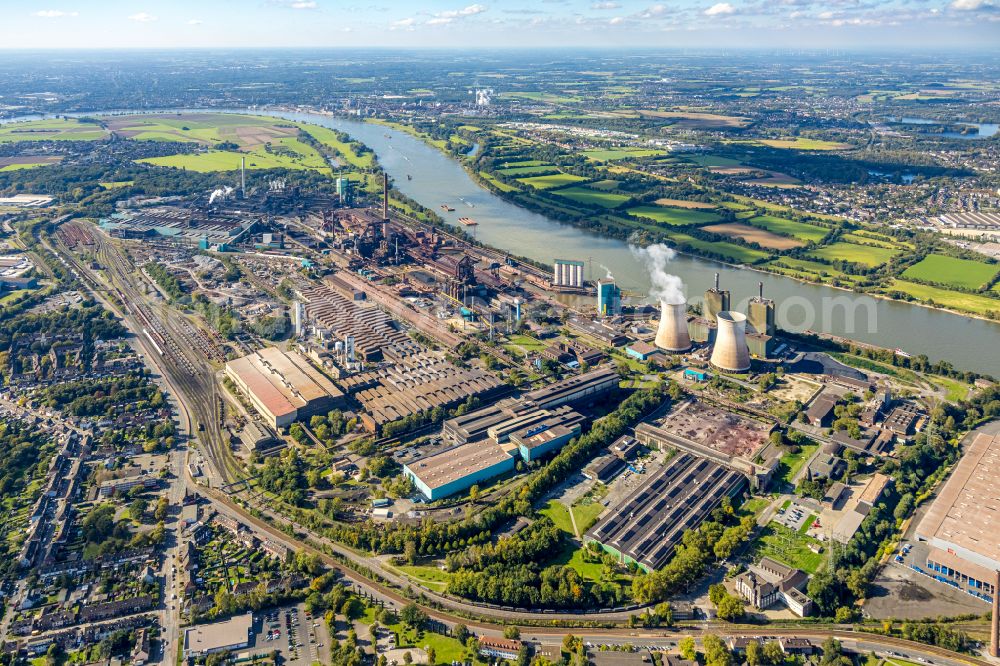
283 386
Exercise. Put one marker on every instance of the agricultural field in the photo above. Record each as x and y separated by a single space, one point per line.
713 161
589 197
55 129
858 254
951 271
800 143
756 235
610 154
331 140
684 203
551 181
785 227
296 157
527 171
605 185
954 300
813 269
503 187
732 252
677 217
26 162
696 119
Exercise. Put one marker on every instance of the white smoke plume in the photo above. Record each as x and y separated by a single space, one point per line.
607 270
221 192
665 287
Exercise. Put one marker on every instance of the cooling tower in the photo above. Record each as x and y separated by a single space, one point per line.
672 334
730 353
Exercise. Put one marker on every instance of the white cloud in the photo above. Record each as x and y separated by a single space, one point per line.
653 11
720 9
142 17
471 10
303 4
618 20
54 13
403 24
605 5
440 20
972 5
195 22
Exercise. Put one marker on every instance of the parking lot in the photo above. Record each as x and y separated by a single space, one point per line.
300 638
793 516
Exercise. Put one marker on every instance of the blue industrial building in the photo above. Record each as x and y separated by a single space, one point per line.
540 440
609 298
459 468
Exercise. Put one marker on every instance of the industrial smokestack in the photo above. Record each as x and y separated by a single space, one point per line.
717 282
672 334
730 353
243 177
385 196
760 290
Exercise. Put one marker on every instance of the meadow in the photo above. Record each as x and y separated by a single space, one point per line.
55 129
800 143
857 254
609 154
677 217
941 269
947 298
591 197
786 227
750 234
551 181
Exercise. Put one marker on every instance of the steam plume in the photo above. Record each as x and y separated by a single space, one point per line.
665 287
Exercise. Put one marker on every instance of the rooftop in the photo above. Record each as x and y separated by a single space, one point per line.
283 381
964 516
453 464
219 635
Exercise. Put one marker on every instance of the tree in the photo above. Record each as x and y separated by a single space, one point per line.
407 658
569 643
461 633
687 648
410 551
523 656
844 615
755 653
716 652
431 655
773 654
474 493
730 608
412 616
511 632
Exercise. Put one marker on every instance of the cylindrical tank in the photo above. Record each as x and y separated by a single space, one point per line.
672 334
730 353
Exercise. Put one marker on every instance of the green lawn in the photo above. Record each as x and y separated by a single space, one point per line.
503 187
432 577
572 555
527 171
947 298
858 254
526 342
956 390
446 648
677 217
713 161
32 165
791 463
785 227
806 266
331 140
586 514
297 156
790 547
800 143
590 197
951 271
551 181
559 514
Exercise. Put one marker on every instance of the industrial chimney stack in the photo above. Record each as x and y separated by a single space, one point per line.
672 334
243 177
730 353
385 196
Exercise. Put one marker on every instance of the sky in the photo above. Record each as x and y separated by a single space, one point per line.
810 24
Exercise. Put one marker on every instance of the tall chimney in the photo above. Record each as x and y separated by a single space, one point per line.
995 633
760 290
385 196
243 177
717 282
672 334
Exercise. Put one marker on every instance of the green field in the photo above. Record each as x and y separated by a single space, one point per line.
621 153
800 143
18 167
605 185
791 463
713 161
785 227
299 156
329 138
56 129
586 514
951 271
553 180
946 298
676 217
523 163
858 254
503 187
732 252
432 577
590 197
784 545
527 171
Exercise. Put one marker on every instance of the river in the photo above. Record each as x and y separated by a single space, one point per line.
965 342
